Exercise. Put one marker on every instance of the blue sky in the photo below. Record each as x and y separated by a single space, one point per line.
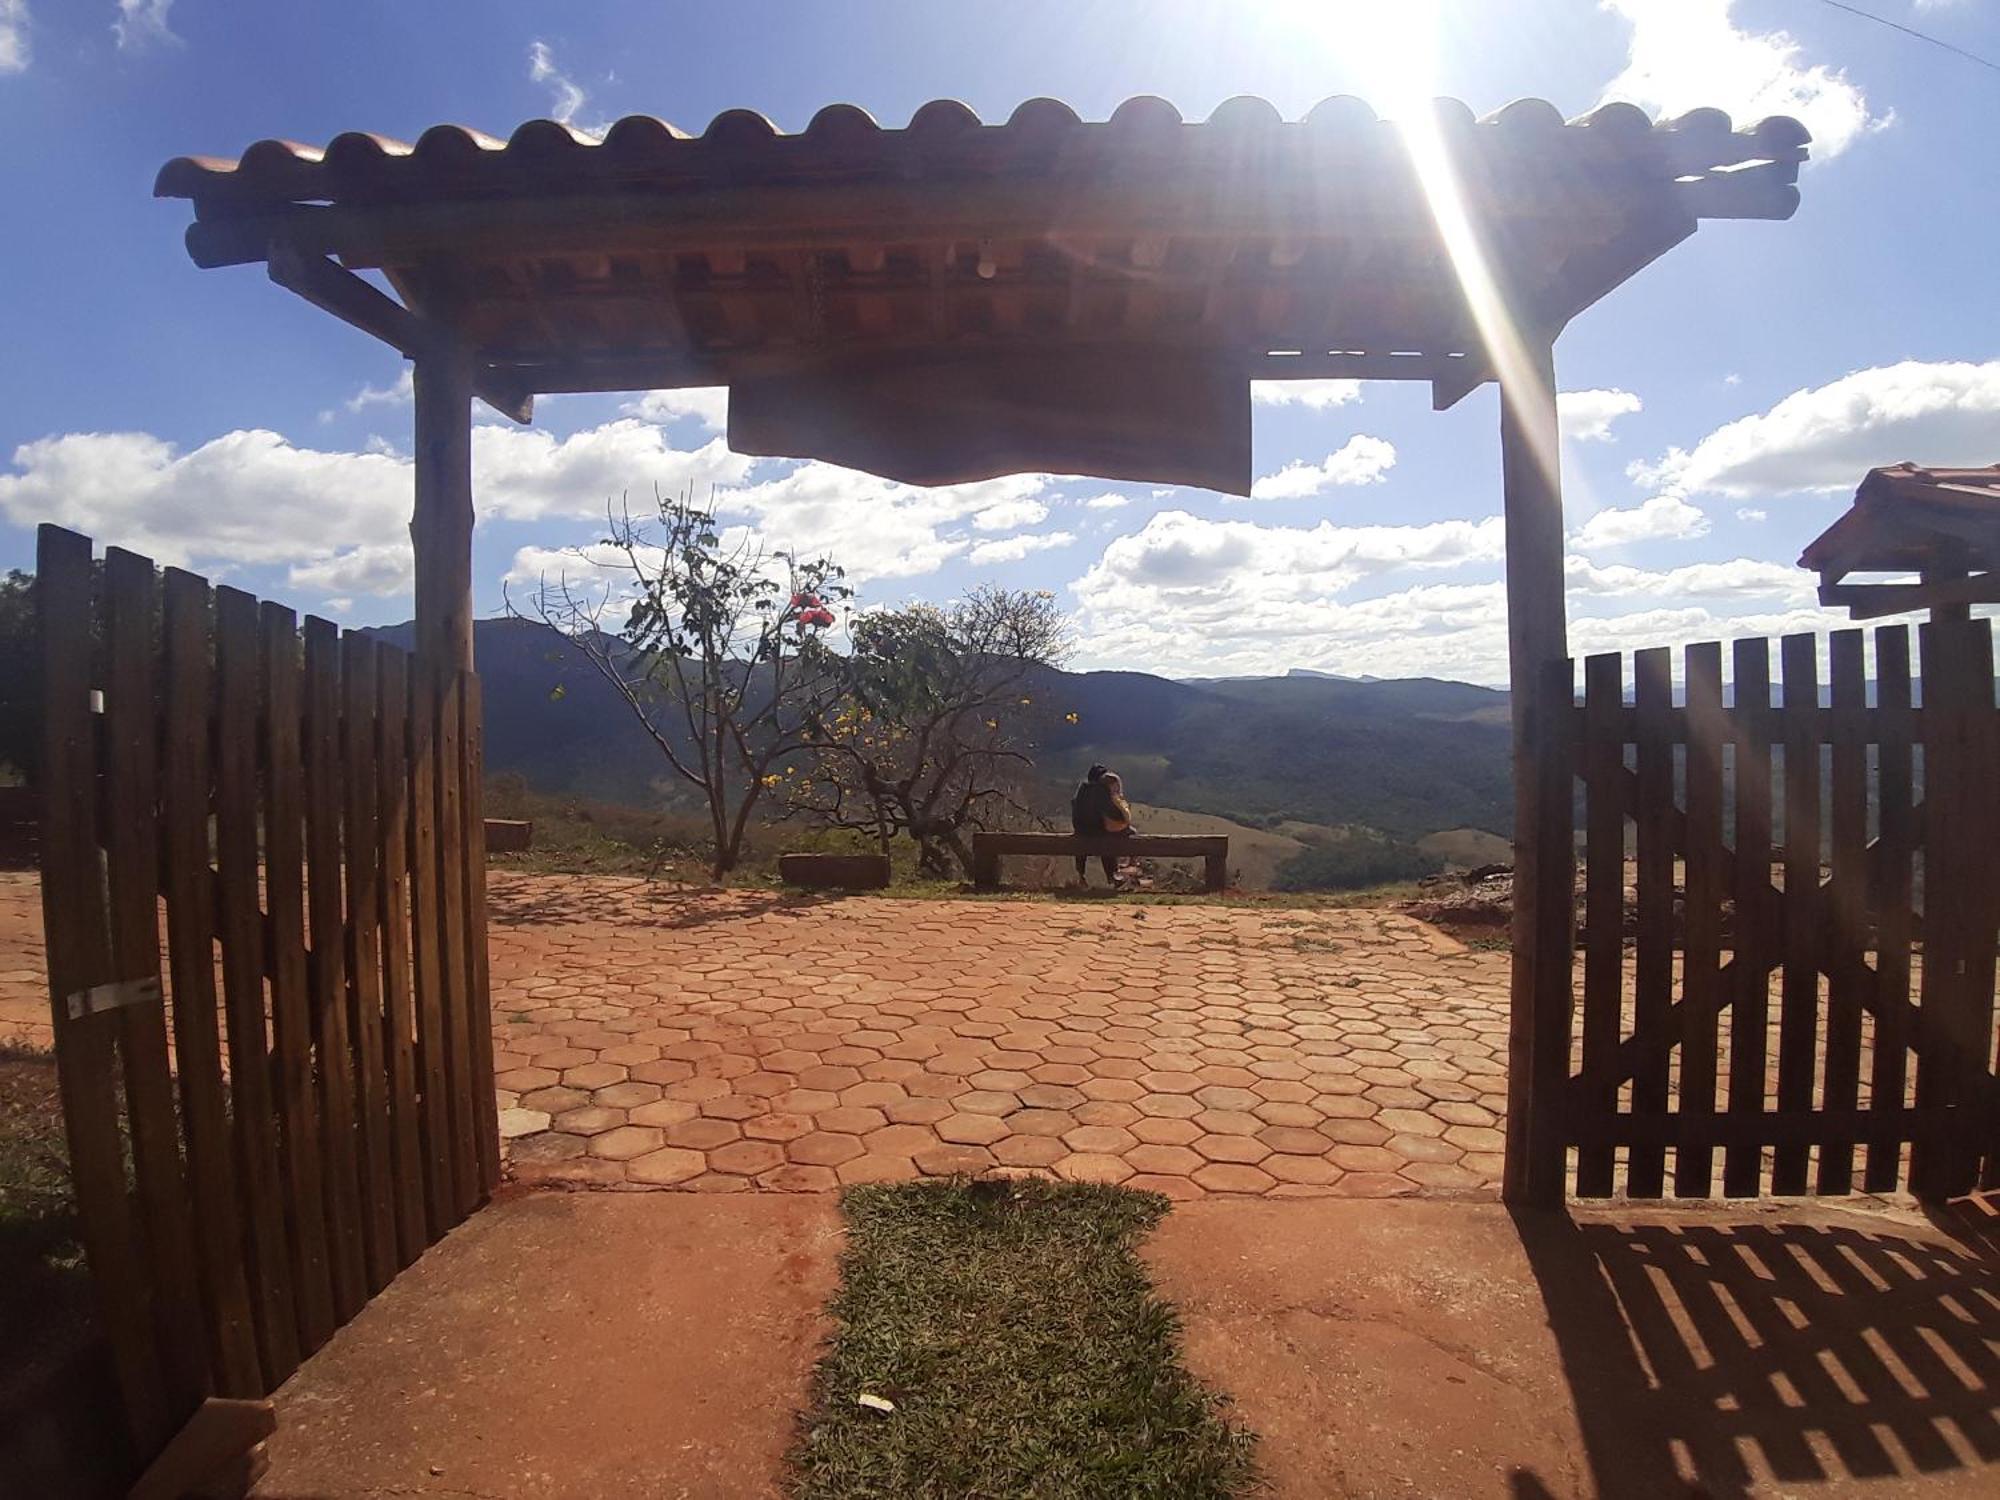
1728 398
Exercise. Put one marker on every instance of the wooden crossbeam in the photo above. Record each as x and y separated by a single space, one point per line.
1871 601
334 289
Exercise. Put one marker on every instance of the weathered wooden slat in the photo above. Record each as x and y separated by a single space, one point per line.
1845 908
398 1006
301 1149
1798 1013
452 948
132 881
1891 897
189 887
1604 911
1552 735
332 1051
485 1110
1704 883
79 959
1955 1023
426 912
240 926
362 843
1743 1166
1799 1128
1645 1175
1982 748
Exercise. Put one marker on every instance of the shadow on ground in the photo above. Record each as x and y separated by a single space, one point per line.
1720 1359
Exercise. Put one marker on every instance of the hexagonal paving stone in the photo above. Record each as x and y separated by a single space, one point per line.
823 1149
627 1095
949 1161
1029 1151
747 1158
663 1112
970 1130
1231 1177
590 1119
593 1075
1167 1160
1086 1166
626 1142
665 1167
515 1123
703 1133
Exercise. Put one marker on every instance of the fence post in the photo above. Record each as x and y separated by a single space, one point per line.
1551 923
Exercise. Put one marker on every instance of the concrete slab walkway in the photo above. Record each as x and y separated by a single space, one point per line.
1445 1349
724 1042
560 1345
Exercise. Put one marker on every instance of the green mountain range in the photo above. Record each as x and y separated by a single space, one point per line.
1407 757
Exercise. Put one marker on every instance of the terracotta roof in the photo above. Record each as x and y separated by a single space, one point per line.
1907 517
951 299
742 146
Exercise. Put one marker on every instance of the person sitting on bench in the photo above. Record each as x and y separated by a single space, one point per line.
1099 808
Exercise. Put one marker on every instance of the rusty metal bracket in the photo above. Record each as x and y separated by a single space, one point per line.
114 996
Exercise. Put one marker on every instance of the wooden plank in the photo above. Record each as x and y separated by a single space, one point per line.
441 527
1983 911
452 949
1846 906
132 880
362 843
1652 677
426 918
188 882
479 984
79 958
398 999
1891 898
1705 883
301 1148
1537 635
1188 845
240 926
340 1159
1756 910
1798 1005
1798 1128
1604 914
1554 727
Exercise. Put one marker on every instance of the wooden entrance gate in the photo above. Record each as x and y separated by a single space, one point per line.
269 1122
1788 925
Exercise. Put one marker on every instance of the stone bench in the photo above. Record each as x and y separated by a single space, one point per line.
1212 849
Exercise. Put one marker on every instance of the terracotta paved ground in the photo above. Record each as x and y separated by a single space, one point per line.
724 1042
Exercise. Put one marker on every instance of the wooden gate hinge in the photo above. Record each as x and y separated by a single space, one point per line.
113 996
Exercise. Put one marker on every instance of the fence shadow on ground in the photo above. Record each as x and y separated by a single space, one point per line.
634 902
1721 1360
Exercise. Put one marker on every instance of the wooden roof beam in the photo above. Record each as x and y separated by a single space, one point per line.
336 290
1871 601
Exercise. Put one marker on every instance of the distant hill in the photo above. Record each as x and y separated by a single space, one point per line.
1408 757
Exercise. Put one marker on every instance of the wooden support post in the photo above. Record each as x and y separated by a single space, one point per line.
441 526
1544 859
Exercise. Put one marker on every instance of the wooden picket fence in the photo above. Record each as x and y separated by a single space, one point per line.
278 1101
1794 974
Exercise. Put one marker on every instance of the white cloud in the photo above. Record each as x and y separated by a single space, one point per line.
708 405
873 527
1198 597
14 25
1318 395
524 474
1361 460
141 23
1014 548
399 392
1662 518
1826 438
382 569
1586 416
1684 54
566 96
1751 513
247 496
1006 515
1105 502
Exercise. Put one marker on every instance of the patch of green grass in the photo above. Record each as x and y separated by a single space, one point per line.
1014 1329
